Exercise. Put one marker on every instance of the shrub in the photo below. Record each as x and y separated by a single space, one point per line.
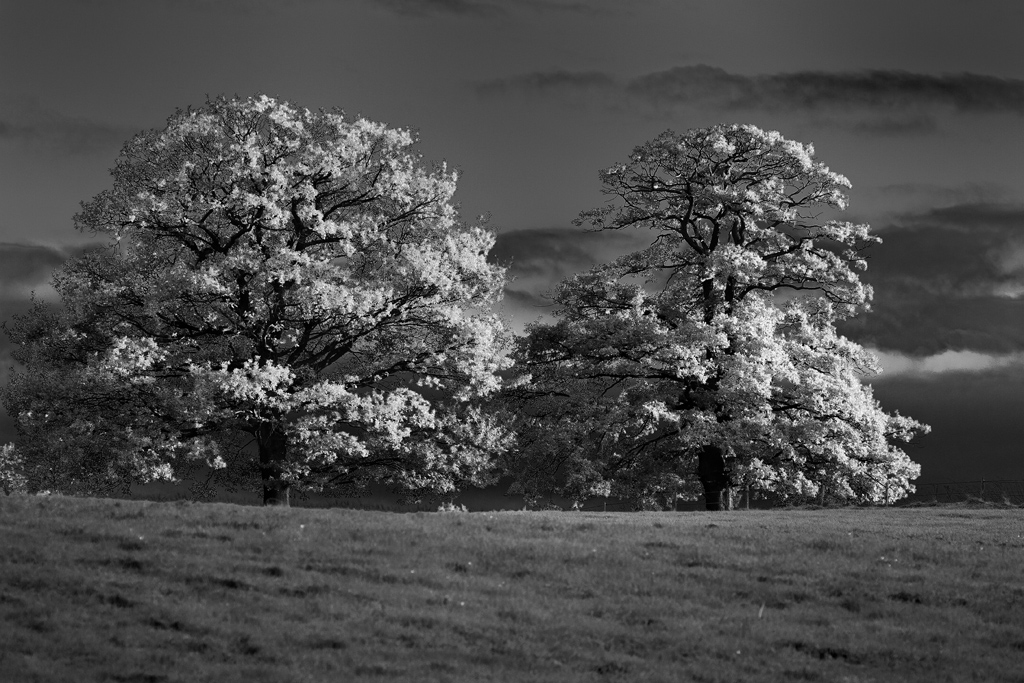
12 480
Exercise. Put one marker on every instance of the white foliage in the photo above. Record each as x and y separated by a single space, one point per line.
12 480
276 271
667 351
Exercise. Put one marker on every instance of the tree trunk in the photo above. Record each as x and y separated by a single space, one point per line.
273 453
714 477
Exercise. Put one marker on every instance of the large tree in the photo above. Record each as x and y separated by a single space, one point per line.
712 355
285 292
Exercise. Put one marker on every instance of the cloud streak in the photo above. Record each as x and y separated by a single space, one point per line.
30 123
478 8
963 250
895 363
900 102
25 268
420 8
947 279
812 90
539 258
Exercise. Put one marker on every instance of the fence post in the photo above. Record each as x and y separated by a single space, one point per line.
983 488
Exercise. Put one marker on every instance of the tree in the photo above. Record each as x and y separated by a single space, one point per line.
284 291
712 354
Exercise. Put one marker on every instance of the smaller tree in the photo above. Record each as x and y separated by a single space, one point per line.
688 362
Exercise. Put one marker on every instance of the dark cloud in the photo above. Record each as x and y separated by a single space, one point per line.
24 122
539 258
25 268
232 7
550 254
522 300
975 420
433 7
895 102
928 195
876 89
28 264
965 250
478 8
915 321
520 307
949 278
967 217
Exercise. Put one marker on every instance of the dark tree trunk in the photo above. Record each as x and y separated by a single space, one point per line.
714 477
273 453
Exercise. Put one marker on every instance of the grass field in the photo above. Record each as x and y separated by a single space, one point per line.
103 590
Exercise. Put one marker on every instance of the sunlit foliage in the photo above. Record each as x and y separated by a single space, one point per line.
710 360
287 295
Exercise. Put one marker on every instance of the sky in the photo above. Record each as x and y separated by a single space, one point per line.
920 104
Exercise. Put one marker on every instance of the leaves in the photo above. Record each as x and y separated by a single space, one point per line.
293 293
273 270
721 334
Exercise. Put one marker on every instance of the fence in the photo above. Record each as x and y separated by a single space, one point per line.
991 490
994 490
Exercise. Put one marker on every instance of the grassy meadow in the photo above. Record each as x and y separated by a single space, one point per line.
105 590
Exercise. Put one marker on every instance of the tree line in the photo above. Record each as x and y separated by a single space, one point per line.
289 299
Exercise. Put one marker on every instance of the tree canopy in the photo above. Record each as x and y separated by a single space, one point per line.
285 292
289 299
712 356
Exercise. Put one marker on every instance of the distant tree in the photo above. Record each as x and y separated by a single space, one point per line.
712 355
285 292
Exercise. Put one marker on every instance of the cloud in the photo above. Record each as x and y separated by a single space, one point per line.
522 300
24 268
28 122
539 258
963 250
975 419
926 196
966 217
875 89
411 8
478 8
434 7
548 255
27 268
947 279
895 363
897 102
